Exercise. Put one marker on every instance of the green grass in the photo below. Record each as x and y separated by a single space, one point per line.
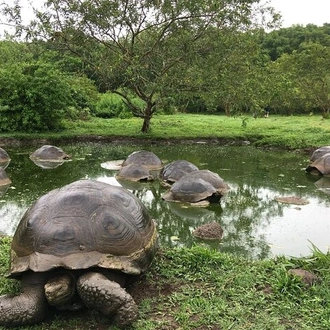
199 288
289 132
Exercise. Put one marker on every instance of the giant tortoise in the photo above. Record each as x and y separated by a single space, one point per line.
318 153
175 170
49 152
4 179
4 158
321 166
134 172
49 156
145 158
197 186
76 246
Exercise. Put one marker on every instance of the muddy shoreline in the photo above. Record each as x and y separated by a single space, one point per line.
21 142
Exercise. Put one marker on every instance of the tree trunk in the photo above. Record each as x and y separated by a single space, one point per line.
147 117
146 125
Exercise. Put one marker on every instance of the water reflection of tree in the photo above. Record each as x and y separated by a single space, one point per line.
246 211
241 213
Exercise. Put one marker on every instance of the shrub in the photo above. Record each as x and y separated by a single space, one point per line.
37 96
84 95
32 97
111 105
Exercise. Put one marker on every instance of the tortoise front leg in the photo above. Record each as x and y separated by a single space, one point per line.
28 307
108 297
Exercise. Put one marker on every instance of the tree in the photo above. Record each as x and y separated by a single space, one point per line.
286 40
236 79
309 75
135 47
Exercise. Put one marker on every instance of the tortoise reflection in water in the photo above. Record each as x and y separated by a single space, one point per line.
77 246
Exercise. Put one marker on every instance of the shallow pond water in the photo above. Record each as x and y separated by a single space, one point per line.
255 224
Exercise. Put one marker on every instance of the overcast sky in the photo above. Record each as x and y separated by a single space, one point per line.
303 11
293 11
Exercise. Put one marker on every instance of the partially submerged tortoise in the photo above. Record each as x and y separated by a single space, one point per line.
49 153
134 172
77 245
175 170
197 186
145 158
318 153
4 158
321 166
4 179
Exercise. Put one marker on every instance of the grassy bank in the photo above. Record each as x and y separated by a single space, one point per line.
290 132
202 289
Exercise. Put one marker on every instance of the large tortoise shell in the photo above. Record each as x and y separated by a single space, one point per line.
48 152
197 186
145 158
85 224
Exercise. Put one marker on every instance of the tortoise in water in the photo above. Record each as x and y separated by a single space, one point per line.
321 166
197 186
77 245
4 179
4 158
145 158
49 153
175 170
134 172
318 153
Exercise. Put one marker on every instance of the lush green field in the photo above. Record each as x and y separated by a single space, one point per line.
291 132
198 288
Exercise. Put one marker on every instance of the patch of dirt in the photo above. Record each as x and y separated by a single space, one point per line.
142 288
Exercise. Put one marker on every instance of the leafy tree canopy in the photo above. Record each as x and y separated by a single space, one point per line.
138 47
286 40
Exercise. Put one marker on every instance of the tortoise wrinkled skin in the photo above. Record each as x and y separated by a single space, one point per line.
91 230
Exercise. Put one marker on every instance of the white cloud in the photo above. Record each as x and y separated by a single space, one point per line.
303 11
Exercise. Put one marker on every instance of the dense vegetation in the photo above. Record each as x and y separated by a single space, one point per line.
110 60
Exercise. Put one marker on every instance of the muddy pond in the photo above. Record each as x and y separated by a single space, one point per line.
255 224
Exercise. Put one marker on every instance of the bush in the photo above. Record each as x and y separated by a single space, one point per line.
37 96
32 97
111 105
85 97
